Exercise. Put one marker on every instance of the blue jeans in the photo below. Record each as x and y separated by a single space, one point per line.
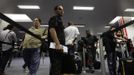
111 60
32 59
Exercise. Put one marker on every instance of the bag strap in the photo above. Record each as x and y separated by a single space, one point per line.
44 33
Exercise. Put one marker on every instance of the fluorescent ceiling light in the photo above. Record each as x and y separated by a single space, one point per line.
115 19
28 7
19 17
43 26
82 8
132 18
118 17
99 33
81 26
107 26
129 10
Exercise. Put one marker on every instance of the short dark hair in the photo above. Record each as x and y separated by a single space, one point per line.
39 19
56 7
70 23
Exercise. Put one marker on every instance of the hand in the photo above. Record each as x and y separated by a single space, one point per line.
58 47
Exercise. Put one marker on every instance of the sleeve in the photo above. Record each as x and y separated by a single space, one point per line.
77 32
52 22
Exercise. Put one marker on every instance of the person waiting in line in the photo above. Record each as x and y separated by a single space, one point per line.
8 36
130 47
109 42
31 46
71 33
91 46
56 35
119 52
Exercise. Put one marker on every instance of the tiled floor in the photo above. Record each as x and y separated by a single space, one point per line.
16 68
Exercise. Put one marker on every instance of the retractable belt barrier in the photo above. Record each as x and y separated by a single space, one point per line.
122 26
103 69
5 18
101 46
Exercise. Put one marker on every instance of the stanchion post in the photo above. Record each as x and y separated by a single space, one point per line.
103 70
84 61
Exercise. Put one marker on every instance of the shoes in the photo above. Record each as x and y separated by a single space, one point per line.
8 65
26 70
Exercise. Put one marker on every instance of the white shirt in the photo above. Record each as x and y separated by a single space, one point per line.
71 32
7 36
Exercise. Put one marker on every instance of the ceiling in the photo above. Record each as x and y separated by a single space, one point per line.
104 12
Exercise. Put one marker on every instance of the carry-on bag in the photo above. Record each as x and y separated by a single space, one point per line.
127 66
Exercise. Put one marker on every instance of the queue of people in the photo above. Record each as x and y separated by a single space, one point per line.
61 63
117 47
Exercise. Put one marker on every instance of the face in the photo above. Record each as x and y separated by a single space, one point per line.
119 33
36 23
60 10
88 33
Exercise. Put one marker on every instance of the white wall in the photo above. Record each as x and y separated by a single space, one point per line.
130 31
3 24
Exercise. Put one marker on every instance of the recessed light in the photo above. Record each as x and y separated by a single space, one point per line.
43 26
107 26
132 18
129 10
28 7
19 17
82 8
80 26
119 17
115 20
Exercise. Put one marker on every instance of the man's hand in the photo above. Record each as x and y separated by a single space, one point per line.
58 47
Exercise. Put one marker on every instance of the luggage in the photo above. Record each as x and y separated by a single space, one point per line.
127 63
78 63
97 65
127 66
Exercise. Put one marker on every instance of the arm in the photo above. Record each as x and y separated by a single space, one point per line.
76 35
55 38
121 38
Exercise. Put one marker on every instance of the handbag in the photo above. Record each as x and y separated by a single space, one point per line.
44 43
44 46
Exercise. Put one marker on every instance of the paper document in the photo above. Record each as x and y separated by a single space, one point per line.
65 49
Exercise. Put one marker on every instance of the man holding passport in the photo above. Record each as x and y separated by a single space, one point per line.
56 35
